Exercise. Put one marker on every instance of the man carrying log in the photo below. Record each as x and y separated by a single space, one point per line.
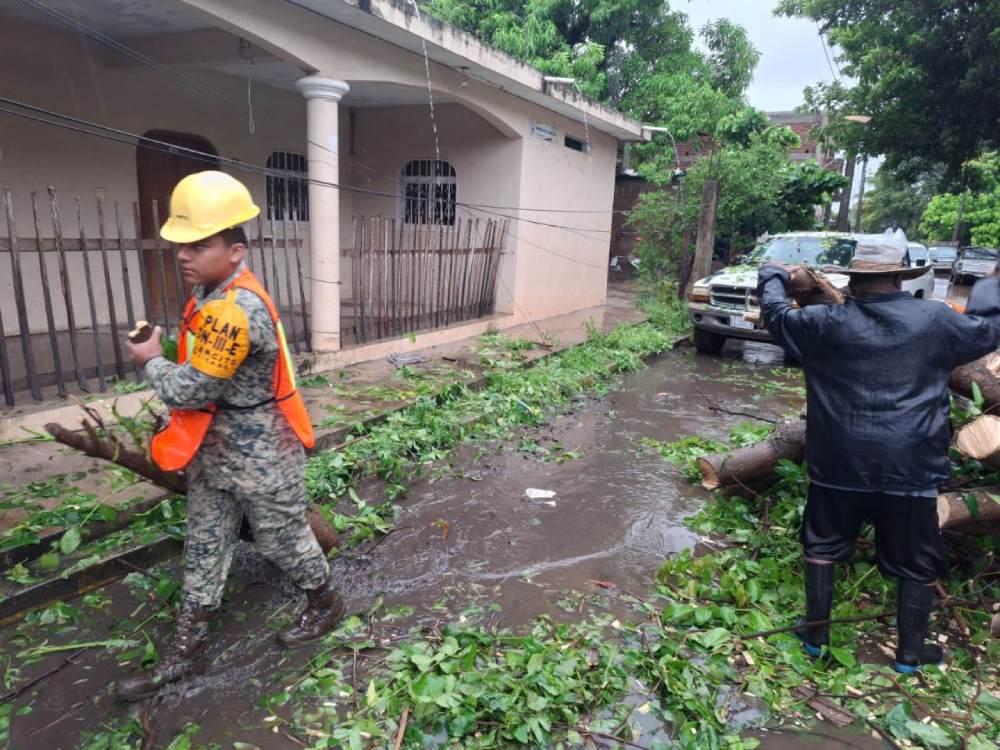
878 427
237 427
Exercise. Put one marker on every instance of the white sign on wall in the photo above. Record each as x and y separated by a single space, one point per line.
543 131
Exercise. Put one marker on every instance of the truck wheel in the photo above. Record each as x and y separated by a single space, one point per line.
707 342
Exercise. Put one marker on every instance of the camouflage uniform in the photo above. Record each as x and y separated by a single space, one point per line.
250 462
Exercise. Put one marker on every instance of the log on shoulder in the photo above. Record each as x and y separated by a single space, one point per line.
749 465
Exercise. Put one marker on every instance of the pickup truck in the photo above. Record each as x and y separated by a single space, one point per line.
974 262
724 305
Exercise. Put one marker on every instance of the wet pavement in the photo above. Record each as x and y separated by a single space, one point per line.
469 546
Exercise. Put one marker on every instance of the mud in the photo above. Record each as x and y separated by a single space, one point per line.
468 546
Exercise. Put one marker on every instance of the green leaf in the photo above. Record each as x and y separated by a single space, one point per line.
49 561
713 638
929 733
977 395
972 504
844 656
70 540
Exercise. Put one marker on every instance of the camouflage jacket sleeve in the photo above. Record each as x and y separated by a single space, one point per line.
184 387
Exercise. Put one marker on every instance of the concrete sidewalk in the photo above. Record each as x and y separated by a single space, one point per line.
336 399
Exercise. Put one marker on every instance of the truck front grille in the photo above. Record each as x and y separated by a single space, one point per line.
730 297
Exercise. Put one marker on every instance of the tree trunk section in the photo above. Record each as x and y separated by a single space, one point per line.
954 510
111 449
748 466
980 440
985 372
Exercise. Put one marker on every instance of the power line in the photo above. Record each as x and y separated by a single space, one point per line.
213 93
88 127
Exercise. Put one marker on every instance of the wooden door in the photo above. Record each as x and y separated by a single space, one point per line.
160 166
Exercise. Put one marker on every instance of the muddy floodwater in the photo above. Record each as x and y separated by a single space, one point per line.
469 545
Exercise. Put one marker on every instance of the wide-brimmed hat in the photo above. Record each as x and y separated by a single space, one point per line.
883 255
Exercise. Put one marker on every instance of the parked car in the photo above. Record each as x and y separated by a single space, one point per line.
974 262
921 287
943 256
724 305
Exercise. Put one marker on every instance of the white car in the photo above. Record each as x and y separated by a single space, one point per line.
921 287
974 262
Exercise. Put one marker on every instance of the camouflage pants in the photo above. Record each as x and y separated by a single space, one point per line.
281 534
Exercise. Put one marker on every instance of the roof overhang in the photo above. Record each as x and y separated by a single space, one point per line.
397 23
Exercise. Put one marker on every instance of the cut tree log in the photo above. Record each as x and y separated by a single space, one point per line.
748 466
807 287
985 372
980 440
110 448
954 507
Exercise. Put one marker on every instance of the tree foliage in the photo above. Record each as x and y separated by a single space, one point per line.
760 190
927 72
981 218
898 201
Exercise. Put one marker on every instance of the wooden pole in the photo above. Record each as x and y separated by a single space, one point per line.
101 383
140 250
27 352
706 231
67 290
162 268
47 300
957 231
288 283
843 212
102 236
302 286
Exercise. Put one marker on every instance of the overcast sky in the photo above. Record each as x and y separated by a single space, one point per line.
791 54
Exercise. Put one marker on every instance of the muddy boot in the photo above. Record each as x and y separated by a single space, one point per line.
184 658
819 600
913 612
323 612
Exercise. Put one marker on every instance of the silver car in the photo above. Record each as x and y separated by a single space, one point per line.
943 256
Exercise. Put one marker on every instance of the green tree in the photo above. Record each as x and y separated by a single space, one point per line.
898 201
760 190
981 218
927 72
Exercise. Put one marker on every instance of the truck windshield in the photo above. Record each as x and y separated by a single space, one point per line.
943 253
806 251
979 253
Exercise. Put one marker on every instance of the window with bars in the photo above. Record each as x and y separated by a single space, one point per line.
287 194
429 190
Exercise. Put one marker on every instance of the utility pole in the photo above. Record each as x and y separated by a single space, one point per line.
861 194
957 232
843 214
706 232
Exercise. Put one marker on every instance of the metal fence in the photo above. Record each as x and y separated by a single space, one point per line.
75 296
406 278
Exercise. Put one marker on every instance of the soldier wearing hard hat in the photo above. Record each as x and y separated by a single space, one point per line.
237 427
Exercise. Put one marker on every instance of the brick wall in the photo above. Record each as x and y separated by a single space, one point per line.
627 191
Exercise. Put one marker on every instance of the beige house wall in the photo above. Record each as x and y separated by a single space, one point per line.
485 132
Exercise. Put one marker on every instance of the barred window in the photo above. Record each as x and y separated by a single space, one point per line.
287 194
428 190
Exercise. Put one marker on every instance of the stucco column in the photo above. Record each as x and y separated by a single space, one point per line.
322 96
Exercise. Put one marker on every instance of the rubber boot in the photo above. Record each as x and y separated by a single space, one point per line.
185 657
324 611
913 613
819 600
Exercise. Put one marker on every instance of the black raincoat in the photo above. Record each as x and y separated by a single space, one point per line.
876 372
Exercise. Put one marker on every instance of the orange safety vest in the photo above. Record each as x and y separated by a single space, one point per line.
173 447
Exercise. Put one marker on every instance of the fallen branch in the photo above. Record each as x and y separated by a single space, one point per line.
956 508
17 692
814 623
402 729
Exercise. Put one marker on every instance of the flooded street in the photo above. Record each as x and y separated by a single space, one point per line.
469 546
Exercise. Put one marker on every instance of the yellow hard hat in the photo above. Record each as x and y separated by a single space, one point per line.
206 203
